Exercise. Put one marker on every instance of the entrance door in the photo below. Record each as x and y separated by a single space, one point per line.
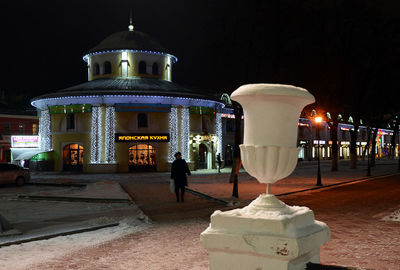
73 157
142 157
202 156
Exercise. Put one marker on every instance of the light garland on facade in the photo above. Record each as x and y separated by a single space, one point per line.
95 135
44 131
218 131
173 131
86 57
112 99
110 135
185 132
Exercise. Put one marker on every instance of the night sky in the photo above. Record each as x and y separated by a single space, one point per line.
347 49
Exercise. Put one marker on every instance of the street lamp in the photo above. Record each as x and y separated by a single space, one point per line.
318 121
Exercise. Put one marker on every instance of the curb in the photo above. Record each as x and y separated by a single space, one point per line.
56 184
207 197
227 203
338 184
45 237
74 199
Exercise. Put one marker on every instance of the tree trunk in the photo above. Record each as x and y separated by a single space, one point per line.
335 148
237 162
353 145
373 146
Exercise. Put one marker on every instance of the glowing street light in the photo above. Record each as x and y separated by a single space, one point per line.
318 121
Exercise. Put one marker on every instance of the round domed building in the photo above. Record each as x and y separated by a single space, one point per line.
129 115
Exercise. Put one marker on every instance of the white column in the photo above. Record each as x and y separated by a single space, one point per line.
96 136
218 131
185 132
110 135
173 132
44 131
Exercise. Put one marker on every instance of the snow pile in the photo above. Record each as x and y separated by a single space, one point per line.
24 255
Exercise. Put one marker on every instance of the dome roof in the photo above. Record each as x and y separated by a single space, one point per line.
129 40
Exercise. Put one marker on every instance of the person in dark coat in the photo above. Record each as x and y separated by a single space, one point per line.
219 162
179 170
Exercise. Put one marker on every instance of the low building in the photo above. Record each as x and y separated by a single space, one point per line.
15 123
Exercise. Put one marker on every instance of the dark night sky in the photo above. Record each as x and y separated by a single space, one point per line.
337 47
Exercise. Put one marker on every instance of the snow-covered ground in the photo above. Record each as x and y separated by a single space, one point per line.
27 255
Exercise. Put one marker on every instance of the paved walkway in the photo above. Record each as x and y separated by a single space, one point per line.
150 192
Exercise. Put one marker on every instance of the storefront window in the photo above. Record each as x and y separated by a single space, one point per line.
73 157
142 156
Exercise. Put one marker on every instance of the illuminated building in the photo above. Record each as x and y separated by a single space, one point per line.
129 115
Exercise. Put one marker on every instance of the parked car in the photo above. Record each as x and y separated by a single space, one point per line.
11 173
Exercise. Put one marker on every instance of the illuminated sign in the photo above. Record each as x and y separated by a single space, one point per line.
135 107
73 108
303 125
134 137
25 141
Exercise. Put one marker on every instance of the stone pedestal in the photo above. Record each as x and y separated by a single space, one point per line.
267 234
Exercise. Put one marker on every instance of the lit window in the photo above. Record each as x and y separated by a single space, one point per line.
34 129
21 128
142 120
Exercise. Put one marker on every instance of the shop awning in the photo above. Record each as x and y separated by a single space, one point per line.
25 153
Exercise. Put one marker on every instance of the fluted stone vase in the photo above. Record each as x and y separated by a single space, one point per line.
267 234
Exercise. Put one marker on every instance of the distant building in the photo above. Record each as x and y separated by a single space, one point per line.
12 123
129 115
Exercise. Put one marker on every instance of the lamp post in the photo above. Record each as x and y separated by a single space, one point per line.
318 121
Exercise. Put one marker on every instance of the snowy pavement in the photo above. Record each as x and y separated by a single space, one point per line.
172 241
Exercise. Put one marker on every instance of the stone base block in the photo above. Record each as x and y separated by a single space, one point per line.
102 167
267 234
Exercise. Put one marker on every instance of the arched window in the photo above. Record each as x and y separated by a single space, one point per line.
142 67
142 120
107 67
155 69
96 69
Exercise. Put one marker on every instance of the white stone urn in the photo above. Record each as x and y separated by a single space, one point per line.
271 114
267 234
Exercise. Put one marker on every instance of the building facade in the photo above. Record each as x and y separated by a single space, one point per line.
129 115
312 139
15 124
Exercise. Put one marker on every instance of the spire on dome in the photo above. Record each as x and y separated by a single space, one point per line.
130 27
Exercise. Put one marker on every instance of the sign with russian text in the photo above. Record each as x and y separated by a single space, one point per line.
134 137
25 141
134 107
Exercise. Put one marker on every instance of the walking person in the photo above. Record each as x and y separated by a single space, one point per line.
219 162
179 170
